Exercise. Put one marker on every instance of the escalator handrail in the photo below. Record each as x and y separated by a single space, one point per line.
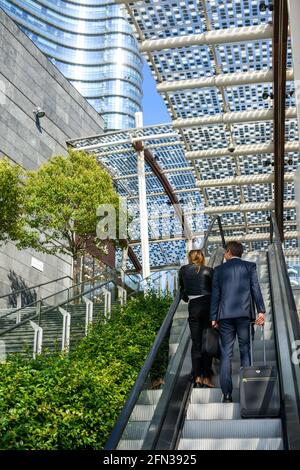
288 288
55 307
125 414
286 328
217 219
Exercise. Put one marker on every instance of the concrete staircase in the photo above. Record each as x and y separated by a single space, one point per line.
21 339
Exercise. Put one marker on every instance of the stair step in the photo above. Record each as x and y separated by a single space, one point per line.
142 413
211 395
225 444
130 444
177 330
180 315
149 397
174 339
234 428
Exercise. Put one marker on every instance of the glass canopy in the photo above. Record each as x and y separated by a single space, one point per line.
212 61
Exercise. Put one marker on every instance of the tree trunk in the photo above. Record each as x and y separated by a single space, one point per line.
77 277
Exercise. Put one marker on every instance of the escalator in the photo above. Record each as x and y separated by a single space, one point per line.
209 424
174 415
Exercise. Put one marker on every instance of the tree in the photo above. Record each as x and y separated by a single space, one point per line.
11 200
62 198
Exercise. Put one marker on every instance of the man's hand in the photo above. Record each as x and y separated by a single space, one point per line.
214 324
260 320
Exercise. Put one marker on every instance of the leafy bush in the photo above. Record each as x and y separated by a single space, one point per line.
72 402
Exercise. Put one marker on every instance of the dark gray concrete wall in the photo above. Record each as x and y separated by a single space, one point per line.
27 80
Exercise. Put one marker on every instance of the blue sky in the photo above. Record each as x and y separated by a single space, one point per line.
154 109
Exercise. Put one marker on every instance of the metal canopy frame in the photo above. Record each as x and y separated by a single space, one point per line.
212 62
118 153
233 144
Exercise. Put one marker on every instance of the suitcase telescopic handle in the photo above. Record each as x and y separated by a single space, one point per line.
264 343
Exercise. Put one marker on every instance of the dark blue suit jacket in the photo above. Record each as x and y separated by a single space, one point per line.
235 288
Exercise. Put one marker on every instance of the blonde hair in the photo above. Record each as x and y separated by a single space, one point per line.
196 257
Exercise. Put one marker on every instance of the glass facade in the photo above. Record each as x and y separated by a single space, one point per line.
93 45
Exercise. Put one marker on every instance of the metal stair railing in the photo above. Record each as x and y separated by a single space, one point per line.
171 367
37 305
287 333
63 309
45 301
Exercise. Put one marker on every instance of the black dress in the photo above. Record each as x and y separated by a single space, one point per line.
193 283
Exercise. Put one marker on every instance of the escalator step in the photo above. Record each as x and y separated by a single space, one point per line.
181 314
136 430
178 322
236 363
230 444
173 348
195 429
211 395
131 444
214 411
149 397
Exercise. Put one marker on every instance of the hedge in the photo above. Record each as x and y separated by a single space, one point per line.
72 402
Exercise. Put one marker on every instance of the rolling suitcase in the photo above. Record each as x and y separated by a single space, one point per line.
259 389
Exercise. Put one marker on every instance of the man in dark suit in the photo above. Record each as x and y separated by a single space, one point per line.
235 287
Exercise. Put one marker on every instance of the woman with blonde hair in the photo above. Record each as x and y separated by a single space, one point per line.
195 280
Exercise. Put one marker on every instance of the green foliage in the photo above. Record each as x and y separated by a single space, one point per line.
72 402
62 198
11 200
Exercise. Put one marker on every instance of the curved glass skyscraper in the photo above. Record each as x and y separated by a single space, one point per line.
92 44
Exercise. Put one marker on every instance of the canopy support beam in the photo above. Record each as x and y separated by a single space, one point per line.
280 35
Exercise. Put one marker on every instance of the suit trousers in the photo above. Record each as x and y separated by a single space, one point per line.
199 310
229 329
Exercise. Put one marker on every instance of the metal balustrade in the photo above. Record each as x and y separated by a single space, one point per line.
34 290
57 322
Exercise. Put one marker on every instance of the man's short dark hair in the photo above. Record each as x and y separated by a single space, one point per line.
235 248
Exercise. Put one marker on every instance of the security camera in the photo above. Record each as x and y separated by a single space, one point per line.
231 148
39 112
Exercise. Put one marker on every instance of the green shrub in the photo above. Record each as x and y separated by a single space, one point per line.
72 402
